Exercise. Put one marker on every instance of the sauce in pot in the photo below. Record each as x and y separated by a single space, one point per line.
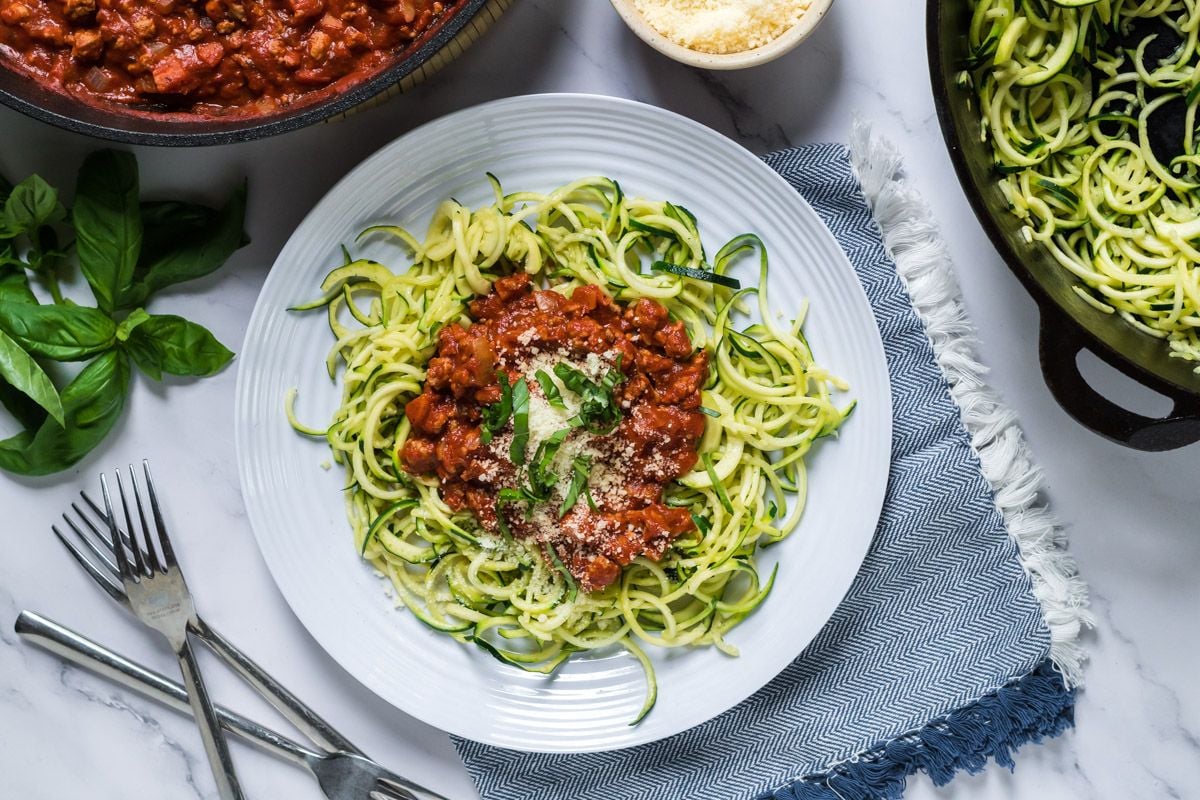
209 57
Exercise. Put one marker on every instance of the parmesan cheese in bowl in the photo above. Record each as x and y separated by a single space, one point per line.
722 34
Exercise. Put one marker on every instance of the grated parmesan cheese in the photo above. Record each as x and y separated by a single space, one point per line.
610 468
722 26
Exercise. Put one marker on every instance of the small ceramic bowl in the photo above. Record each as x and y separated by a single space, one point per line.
746 58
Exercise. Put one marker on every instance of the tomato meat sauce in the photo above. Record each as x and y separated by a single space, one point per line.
518 331
208 57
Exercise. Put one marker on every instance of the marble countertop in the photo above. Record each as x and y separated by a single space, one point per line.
1134 519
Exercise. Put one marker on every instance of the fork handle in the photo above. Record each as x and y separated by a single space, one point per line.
210 726
78 649
289 705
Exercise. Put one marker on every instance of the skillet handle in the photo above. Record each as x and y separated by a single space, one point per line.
1059 343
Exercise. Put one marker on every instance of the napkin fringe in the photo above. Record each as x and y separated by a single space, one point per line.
1035 707
912 239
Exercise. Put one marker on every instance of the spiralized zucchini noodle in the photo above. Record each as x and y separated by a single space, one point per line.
1066 89
768 403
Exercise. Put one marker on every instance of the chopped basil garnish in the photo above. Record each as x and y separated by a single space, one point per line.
520 414
495 416
579 482
501 523
541 479
553 395
598 409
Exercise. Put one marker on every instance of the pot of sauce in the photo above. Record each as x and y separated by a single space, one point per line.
181 72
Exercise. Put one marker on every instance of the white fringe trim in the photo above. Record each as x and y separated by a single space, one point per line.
924 264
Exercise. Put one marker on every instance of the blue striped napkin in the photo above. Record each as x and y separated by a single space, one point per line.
956 642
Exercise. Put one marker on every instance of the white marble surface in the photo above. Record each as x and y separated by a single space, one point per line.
1134 519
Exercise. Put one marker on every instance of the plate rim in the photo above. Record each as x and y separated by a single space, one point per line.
876 362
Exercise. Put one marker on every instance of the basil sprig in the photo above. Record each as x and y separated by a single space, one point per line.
127 250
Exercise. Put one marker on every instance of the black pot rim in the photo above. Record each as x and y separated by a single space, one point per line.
1099 331
34 101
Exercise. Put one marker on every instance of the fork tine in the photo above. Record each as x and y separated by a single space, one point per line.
106 583
153 557
115 541
104 555
103 517
164 541
138 562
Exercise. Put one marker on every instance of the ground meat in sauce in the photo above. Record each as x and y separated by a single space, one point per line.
654 444
208 57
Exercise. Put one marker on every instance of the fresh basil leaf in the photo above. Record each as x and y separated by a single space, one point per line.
579 482
495 416
184 241
510 495
23 409
46 250
14 283
572 378
166 343
550 390
598 409
520 413
92 402
6 188
108 224
161 217
21 372
501 522
62 332
612 378
541 479
31 204
135 318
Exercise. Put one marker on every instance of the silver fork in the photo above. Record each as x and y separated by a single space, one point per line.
339 777
158 595
288 704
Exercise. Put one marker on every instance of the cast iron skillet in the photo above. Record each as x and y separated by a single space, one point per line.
1068 324
25 95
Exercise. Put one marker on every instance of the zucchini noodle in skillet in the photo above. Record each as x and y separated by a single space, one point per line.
1090 107
503 553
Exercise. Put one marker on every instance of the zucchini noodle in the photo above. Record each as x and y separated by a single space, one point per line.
767 403
1066 89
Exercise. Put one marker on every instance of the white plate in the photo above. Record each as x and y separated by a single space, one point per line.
295 506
